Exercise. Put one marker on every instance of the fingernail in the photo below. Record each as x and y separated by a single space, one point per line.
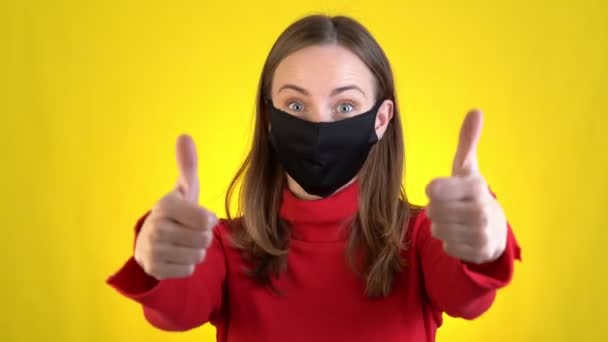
212 220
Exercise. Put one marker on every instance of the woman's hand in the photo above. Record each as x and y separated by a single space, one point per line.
463 212
177 233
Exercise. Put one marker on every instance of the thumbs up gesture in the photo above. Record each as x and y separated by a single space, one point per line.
463 212
175 236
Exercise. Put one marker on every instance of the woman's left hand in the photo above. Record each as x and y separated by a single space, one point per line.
464 214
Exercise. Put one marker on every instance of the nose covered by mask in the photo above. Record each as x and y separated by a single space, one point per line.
322 156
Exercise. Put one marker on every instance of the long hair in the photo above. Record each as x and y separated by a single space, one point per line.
378 229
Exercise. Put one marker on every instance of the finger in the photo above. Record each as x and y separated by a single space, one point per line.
453 232
460 251
172 232
447 211
458 212
187 164
457 189
465 161
173 254
188 213
168 270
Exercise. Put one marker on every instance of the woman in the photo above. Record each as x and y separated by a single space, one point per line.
325 245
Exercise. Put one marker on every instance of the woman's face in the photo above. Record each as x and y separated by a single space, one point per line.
326 83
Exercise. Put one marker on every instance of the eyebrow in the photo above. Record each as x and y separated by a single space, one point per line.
333 92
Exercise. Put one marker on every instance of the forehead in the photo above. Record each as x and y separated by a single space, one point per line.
321 68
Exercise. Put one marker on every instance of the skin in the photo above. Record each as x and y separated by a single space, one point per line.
463 213
310 84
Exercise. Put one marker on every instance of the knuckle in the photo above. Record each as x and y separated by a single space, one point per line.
142 253
201 255
483 255
479 213
204 219
477 259
451 252
212 220
199 240
447 248
207 239
480 239
140 260
483 215
163 205
434 188
189 270
154 270
480 217
155 253
477 184
477 199
430 211
434 230
160 206
149 225
156 233
477 189
193 257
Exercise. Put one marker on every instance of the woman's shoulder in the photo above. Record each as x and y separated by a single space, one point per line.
415 213
226 226
417 221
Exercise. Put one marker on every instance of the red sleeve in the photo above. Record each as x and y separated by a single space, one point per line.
177 304
458 288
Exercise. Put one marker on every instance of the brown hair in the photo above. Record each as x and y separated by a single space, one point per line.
380 225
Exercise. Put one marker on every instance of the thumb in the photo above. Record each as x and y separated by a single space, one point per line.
187 164
465 161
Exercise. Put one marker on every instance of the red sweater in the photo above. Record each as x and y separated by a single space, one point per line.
322 298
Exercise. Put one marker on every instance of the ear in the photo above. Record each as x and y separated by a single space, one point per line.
383 117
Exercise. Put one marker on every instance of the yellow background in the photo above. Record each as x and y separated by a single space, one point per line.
93 95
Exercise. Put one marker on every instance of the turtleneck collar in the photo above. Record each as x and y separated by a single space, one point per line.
320 220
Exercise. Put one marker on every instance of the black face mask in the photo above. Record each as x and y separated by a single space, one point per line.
322 156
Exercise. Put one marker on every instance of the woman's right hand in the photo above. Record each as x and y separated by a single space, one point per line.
177 232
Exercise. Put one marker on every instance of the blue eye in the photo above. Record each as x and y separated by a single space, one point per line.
345 108
296 106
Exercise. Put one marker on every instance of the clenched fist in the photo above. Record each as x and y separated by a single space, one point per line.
463 212
176 234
